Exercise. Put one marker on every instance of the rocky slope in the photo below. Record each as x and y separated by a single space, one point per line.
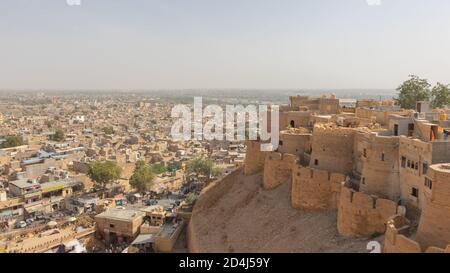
237 215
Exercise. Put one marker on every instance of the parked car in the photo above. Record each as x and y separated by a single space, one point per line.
21 224
150 202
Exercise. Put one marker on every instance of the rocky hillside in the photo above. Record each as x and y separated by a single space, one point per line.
237 215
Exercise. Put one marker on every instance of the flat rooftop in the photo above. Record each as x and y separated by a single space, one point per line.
24 183
121 214
444 167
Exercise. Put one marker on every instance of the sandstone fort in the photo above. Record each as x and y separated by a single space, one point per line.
382 171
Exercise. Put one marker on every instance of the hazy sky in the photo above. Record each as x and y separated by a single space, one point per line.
184 44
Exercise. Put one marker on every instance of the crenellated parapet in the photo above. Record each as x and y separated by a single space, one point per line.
315 189
360 214
277 169
254 158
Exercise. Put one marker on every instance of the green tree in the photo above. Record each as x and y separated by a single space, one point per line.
413 90
159 168
59 136
143 177
204 167
172 167
12 141
440 95
191 198
104 173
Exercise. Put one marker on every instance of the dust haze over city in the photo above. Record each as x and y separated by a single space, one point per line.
228 127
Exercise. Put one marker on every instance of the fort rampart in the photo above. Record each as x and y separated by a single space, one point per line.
315 189
360 214
277 169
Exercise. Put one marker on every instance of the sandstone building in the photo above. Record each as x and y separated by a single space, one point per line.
384 169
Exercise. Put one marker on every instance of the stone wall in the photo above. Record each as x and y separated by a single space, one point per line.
314 189
214 191
381 116
434 226
328 106
397 237
208 197
360 214
323 105
380 174
295 144
304 101
254 158
412 152
441 152
277 169
296 118
332 148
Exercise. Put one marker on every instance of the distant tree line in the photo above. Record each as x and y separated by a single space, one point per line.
417 89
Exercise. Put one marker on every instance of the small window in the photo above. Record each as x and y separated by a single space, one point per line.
111 225
409 163
416 166
425 168
316 162
428 183
382 156
365 152
281 143
415 192
363 181
403 162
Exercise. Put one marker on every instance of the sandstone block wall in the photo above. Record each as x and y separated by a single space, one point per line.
382 117
304 101
298 118
360 214
254 158
323 105
397 239
329 106
414 151
295 144
380 169
332 149
434 226
214 191
277 169
208 198
315 189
